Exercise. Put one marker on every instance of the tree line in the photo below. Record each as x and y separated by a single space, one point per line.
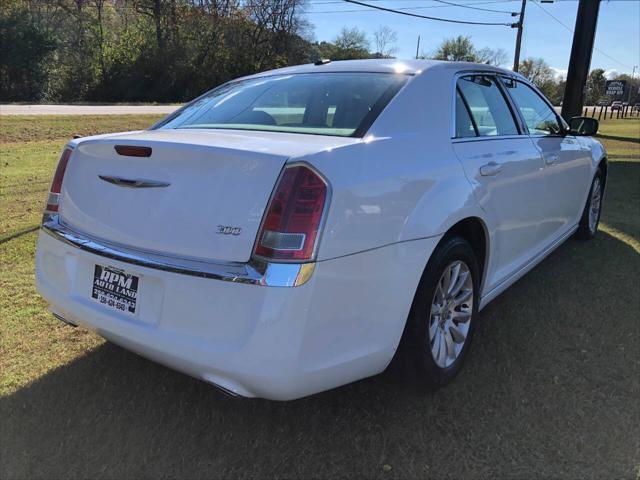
537 70
174 50
157 50
543 76
142 50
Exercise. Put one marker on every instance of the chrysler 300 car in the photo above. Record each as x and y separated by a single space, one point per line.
295 230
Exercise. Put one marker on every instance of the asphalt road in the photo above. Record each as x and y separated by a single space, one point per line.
86 109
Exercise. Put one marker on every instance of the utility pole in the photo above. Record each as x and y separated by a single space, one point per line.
520 27
418 47
631 84
580 60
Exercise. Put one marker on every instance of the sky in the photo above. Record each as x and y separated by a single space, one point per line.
617 45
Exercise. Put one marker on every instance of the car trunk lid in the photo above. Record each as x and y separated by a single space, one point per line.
198 194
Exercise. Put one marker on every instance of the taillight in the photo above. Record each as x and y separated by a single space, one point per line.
56 184
292 220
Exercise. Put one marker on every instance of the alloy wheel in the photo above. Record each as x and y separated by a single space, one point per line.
594 204
450 316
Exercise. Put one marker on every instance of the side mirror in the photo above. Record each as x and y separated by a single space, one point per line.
583 126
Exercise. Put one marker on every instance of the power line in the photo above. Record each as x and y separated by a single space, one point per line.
474 2
313 12
474 8
571 30
422 7
448 20
327 2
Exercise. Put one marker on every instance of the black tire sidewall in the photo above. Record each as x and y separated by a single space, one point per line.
451 249
584 232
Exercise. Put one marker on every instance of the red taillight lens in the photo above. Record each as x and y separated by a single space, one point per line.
292 220
56 184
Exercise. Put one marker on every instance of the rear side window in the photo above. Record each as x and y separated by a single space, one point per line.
487 106
341 104
539 117
464 124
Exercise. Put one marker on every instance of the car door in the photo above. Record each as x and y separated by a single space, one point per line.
504 169
567 160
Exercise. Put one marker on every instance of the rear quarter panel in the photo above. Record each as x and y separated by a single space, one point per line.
402 182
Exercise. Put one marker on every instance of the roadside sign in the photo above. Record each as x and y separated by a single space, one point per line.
615 87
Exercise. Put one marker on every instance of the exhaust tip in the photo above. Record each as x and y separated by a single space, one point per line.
226 386
225 391
64 320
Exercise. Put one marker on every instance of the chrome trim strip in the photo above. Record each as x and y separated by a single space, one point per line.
133 182
255 272
488 138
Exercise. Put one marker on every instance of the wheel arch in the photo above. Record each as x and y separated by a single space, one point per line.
603 165
474 230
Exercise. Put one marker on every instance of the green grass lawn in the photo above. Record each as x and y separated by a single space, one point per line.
621 138
551 387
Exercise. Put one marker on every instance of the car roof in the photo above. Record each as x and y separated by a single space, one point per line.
391 65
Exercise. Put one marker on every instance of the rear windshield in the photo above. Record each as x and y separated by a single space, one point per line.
341 104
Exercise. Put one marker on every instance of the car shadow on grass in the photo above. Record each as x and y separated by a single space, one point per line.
618 138
621 208
550 389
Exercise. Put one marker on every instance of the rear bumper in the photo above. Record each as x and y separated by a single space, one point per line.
341 325
254 272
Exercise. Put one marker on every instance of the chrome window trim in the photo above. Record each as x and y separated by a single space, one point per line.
552 135
254 272
488 138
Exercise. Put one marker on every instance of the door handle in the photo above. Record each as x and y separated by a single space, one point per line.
490 169
550 159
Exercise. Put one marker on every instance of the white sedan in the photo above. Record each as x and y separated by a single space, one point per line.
295 230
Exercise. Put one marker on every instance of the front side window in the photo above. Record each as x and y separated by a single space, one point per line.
539 117
342 104
487 105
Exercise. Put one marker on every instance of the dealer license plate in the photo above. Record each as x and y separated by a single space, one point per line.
115 288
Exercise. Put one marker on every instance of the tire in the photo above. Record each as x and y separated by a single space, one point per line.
423 330
588 226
